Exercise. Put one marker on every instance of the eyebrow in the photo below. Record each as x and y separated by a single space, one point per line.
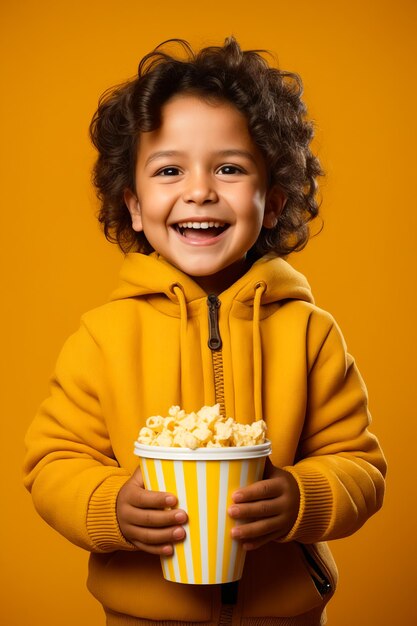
162 153
234 152
223 153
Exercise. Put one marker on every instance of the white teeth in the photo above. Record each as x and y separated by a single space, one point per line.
198 225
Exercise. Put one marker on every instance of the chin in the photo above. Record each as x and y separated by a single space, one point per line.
199 272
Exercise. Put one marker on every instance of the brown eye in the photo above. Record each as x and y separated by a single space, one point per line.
230 170
168 171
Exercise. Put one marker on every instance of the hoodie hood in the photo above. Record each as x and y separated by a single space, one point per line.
254 296
151 275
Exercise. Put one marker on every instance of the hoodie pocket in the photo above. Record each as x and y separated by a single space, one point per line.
322 576
277 581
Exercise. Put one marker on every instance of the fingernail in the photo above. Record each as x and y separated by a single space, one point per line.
237 497
170 500
167 550
180 517
236 532
234 511
178 533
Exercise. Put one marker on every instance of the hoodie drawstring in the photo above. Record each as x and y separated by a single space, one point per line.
260 289
177 289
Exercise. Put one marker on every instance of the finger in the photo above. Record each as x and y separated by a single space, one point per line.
161 550
152 518
155 536
253 544
259 528
255 510
261 490
144 499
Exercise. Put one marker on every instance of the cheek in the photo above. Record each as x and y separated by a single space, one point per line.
254 209
152 224
157 201
259 198
253 192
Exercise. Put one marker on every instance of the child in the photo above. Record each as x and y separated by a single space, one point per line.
206 181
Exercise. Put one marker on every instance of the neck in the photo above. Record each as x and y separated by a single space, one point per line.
219 282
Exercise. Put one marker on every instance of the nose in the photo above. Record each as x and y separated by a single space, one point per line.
199 189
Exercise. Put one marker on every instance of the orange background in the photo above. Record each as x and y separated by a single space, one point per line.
357 59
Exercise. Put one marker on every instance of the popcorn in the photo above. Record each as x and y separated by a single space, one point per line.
204 429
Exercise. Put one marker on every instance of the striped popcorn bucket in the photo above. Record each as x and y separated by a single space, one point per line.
203 481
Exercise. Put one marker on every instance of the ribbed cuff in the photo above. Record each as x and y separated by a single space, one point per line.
102 524
316 504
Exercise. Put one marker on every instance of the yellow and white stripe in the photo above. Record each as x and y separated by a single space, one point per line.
208 554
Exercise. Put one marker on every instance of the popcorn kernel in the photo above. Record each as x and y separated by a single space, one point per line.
204 429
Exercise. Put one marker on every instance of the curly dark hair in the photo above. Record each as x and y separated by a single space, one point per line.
276 115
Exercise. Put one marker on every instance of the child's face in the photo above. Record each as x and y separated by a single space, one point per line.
201 190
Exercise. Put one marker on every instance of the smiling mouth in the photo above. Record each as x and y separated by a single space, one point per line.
200 230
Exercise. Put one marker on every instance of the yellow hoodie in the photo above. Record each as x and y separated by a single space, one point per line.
273 354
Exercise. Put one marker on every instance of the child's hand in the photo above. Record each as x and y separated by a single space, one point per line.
269 508
145 518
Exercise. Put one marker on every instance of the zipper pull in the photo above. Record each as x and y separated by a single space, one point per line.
214 341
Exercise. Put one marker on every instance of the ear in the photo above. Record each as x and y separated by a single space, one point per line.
274 205
132 203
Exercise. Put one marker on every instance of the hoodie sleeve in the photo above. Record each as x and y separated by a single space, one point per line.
340 467
70 468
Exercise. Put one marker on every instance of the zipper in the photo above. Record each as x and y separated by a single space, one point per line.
214 341
215 344
319 578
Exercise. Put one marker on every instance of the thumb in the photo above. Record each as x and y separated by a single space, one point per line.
271 471
137 477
